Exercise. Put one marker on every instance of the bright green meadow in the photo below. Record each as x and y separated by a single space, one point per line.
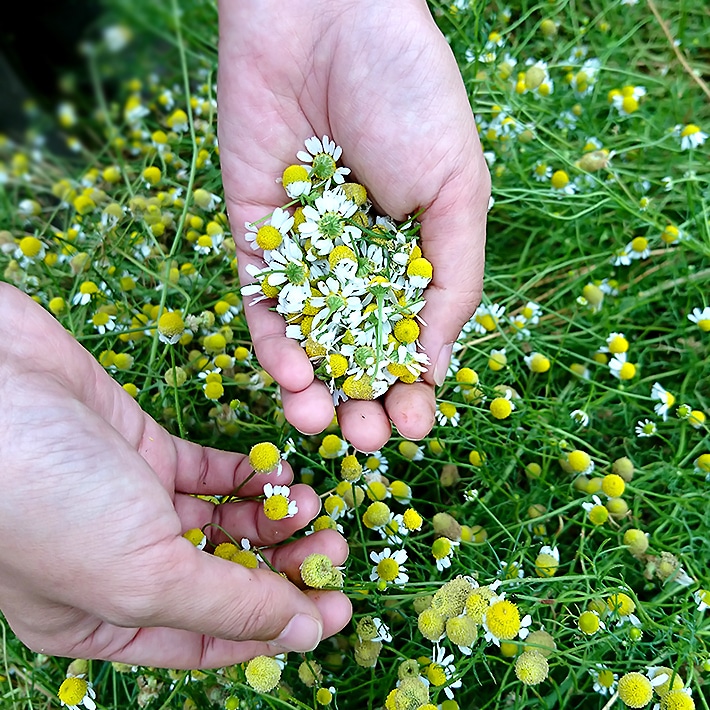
548 545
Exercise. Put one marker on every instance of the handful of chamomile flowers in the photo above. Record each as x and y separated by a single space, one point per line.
348 282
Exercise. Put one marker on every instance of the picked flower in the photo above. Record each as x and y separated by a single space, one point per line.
348 283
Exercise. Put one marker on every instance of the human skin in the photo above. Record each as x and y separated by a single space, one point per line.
94 498
380 79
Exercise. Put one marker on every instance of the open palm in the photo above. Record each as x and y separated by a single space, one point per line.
93 502
380 80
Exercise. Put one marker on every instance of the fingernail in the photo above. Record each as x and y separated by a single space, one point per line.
442 364
302 633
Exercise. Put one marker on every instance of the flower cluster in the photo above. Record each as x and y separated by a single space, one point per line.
349 283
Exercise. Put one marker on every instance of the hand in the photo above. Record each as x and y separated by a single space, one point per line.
379 79
94 498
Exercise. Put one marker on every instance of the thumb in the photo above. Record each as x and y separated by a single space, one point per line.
219 598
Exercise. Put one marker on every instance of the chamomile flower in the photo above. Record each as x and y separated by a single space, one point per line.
638 248
580 417
502 621
541 171
371 628
702 599
645 428
270 235
326 222
277 504
442 671
597 512
626 101
701 318
485 319
263 673
664 398
691 136
442 550
605 681
446 413
75 692
389 568
621 257
621 368
320 159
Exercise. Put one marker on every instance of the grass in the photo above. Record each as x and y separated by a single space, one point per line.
503 489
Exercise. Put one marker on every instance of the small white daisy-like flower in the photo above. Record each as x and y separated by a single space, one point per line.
321 157
645 428
701 318
485 319
270 235
580 417
621 257
665 400
691 136
702 599
638 248
277 504
446 413
75 692
621 368
541 171
605 681
389 567
443 665
442 550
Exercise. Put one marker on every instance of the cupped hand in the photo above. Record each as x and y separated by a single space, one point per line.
379 79
94 498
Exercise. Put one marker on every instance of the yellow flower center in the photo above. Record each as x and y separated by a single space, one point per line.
406 330
501 408
618 344
677 700
559 179
263 673
268 237
635 690
588 622
276 507
294 173
72 690
441 548
598 515
627 371
690 130
171 324
412 520
639 244
503 619
579 460
435 674
420 267
387 569
621 603
613 485
264 457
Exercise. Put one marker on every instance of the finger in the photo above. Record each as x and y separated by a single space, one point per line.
453 239
311 410
364 424
288 558
207 595
283 358
246 519
411 407
163 647
206 471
